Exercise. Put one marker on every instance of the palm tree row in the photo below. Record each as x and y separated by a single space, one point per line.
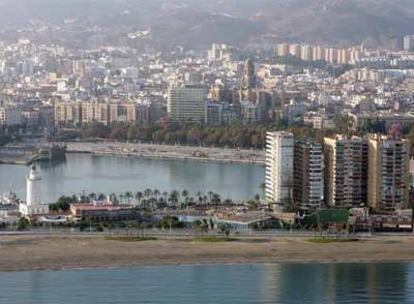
155 198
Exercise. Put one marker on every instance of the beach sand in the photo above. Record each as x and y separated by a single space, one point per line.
31 252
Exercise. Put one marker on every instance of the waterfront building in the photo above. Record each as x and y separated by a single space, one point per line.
68 113
214 113
103 212
388 173
308 175
279 168
187 104
346 171
88 112
33 204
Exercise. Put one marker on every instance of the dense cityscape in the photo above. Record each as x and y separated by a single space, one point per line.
206 151
335 122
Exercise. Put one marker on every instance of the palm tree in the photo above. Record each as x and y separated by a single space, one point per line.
200 197
165 196
216 199
128 196
147 192
156 193
262 187
184 194
174 197
138 197
210 195
228 201
114 199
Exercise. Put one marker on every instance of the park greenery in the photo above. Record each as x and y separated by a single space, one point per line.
252 136
213 239
151 199
330 240
122 238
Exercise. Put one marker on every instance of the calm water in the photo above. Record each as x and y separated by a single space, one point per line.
283 283
113 174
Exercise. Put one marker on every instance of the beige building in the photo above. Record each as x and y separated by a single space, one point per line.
68 113
105 112
306 52
318 53
388 173
331 55
282 49
295 50
346 171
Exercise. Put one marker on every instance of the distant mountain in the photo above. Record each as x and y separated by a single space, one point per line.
200 22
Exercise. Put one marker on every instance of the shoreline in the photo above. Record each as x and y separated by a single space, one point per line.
157 151
67 252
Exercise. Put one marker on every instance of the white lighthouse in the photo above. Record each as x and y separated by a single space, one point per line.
33 204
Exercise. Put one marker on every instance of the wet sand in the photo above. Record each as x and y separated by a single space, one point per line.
32 252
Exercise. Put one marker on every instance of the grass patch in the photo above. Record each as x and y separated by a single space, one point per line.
331 240
213 239
130 238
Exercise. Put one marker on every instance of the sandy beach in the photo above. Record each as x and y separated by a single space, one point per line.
36 252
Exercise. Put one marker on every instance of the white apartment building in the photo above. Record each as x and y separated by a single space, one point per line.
279 168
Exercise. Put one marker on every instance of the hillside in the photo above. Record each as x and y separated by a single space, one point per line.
200 22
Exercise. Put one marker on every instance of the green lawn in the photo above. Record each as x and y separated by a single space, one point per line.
213 239
129 238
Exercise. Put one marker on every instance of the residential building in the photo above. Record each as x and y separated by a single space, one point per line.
346 171
10 116
282 49
388 173
279 168
308 176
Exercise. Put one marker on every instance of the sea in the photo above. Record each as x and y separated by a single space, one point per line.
87 173
248 283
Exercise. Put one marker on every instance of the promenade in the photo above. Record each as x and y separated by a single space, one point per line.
154 151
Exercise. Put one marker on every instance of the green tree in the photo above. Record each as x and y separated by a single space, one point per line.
22 224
